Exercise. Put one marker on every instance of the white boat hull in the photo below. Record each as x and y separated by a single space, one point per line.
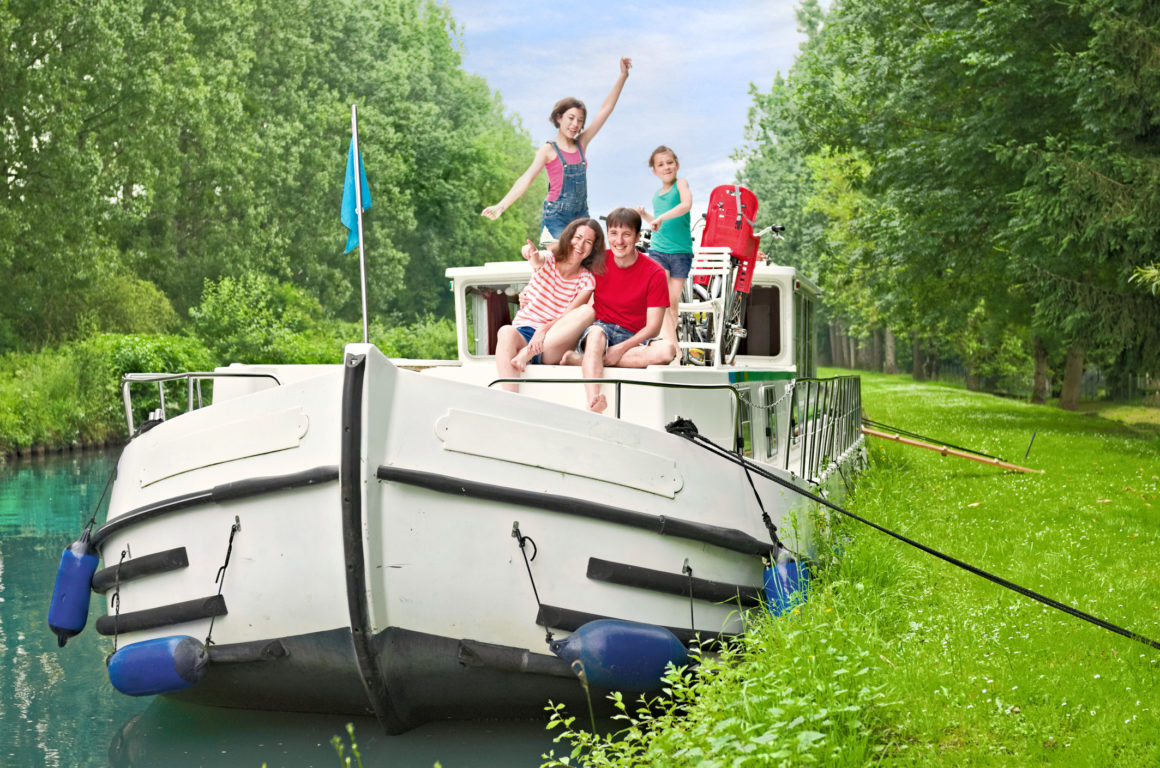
374 568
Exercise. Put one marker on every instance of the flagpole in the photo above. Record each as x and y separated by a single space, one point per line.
358 171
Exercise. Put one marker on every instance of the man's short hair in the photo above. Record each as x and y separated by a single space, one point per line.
623 217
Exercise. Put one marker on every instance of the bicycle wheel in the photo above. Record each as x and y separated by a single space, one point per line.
733 329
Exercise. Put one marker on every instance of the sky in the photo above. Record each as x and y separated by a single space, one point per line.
693 63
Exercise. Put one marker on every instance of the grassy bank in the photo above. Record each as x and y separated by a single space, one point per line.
71 395
902 659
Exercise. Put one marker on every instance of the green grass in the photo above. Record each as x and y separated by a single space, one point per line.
902 659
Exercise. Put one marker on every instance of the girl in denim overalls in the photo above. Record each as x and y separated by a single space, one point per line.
565 162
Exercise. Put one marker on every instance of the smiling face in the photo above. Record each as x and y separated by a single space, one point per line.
622 240
581 244
572 122
665 166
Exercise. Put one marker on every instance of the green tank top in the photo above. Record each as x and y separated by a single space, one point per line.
673 236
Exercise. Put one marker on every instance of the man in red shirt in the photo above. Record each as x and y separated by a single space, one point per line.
628 308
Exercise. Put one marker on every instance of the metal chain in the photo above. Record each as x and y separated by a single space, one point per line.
744 397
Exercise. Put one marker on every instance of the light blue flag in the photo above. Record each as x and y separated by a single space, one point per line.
349 216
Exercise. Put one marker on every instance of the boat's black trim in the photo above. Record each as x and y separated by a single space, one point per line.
726 538
139 567
671 583
239 489
350 485
473 653
569 621
163 616
239 653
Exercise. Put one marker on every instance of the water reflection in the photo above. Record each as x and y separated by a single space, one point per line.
174 734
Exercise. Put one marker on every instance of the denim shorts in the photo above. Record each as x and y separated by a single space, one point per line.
676 264
528 332
613 332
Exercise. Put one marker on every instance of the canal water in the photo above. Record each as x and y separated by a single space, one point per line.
58 709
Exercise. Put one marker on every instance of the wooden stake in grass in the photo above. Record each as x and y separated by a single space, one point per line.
947 451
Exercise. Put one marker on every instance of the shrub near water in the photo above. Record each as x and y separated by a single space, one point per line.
902 659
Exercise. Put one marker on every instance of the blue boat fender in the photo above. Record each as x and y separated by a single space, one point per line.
787 584
625 656
161 665
69 610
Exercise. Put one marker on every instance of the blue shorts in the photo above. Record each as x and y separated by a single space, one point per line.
528 332
613 332
676 264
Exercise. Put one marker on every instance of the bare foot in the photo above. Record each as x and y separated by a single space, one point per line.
520 361
571 357
598 403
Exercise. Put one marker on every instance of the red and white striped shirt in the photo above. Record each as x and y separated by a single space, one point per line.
548 294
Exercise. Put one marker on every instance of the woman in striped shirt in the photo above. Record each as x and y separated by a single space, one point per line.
561 281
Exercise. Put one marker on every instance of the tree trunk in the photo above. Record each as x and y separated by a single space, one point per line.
1041 385
889 363
918 369
852 344
876 350
1072 378
838 345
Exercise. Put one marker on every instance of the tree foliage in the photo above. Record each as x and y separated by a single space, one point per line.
1003 156
170 142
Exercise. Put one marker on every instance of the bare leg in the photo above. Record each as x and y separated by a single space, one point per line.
659 352
669 329
507 344
562 336
593 368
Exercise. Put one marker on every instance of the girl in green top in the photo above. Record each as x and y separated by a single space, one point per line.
672 244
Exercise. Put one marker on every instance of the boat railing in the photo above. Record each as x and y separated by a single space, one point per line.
193 381
825 424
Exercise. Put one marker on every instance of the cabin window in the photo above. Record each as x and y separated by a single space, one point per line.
763 322
489 308
768 398
744 440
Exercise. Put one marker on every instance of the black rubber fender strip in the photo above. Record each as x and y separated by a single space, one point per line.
550 616
671 583
726 538
255 650
240 489
140 567
350 485
473 653
163 616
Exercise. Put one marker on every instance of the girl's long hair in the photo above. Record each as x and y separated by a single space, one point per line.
594 261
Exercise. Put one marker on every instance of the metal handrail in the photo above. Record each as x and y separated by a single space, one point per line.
829 415
193 379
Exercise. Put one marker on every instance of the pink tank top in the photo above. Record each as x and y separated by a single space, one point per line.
555 171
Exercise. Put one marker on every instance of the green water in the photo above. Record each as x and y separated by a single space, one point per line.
58 709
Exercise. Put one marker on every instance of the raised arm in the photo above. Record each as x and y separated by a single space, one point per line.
535 256
597 122
520 186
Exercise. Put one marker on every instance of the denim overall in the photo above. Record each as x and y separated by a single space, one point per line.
572 203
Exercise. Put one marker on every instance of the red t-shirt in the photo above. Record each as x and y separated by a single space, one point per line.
624 296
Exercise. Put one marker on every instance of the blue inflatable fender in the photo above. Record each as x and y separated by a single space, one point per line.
622 655
786 585
161 665
69 610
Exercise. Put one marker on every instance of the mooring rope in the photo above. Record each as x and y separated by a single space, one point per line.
698 439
